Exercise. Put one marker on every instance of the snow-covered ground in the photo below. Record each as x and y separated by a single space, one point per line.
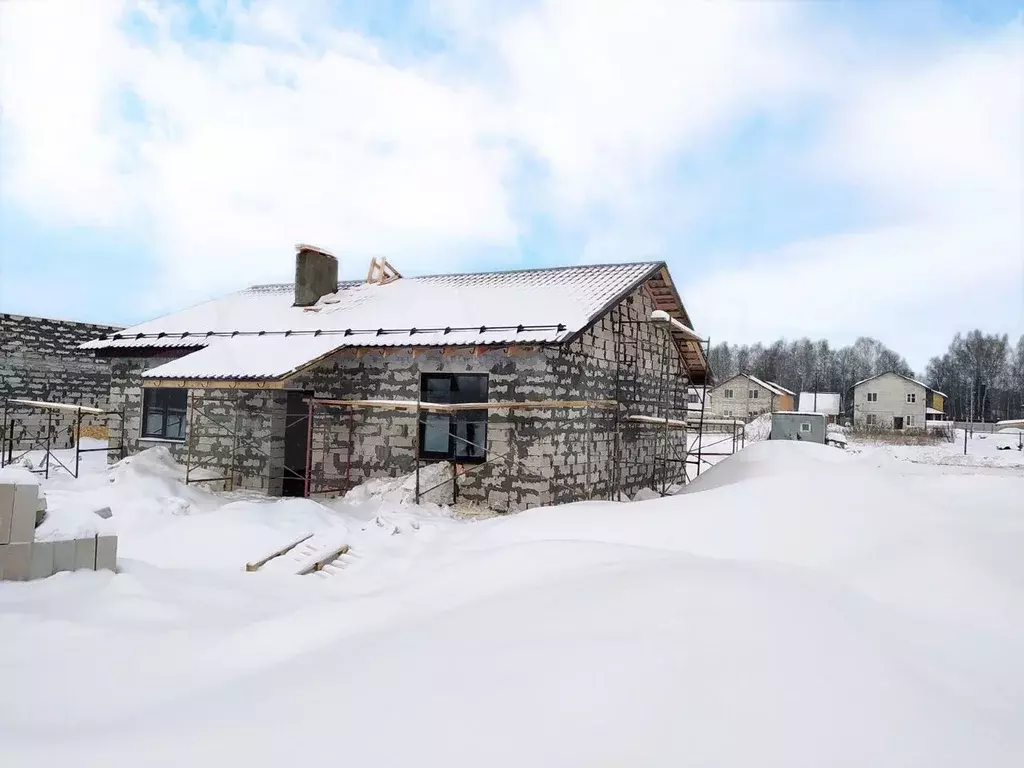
985 451
798 605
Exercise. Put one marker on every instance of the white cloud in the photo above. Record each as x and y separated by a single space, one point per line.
608 92
296 131
246 148
935 147
62 153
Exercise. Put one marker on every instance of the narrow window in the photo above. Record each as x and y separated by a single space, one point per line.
459 435
910 420
728 394
872 397
163 413
871 420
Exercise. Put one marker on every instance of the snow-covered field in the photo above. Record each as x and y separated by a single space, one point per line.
985 451
797 606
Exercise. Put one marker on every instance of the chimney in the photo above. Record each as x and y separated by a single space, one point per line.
316 275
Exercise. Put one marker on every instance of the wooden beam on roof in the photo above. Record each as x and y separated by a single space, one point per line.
493 405
520 350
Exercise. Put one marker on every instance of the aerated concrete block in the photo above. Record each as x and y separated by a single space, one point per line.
23 524
106 553
6 511
64 555
85 554
41 562
17 559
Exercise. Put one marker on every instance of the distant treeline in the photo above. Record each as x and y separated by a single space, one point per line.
977 366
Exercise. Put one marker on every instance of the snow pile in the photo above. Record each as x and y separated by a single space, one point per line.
759 428
798 605
435 487
138 490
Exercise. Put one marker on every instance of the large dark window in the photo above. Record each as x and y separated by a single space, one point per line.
163 413
461 435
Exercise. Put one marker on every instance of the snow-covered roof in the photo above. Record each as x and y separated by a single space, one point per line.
257 357
780 387
773 388
934 411
827 402
908 378
257 332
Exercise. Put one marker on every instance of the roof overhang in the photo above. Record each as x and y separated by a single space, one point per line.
666 299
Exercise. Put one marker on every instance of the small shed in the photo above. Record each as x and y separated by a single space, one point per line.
799 425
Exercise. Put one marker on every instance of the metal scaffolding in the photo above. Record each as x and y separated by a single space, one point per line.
655 438
42 438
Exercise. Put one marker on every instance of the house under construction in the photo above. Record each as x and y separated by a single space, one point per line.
538 386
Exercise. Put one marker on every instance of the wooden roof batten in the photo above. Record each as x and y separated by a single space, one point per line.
663 294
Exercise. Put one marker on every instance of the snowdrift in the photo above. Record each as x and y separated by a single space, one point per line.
798 606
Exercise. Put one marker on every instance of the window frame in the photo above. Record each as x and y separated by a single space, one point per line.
727 394
455 418
912 398
871 420
754 394
805 426
872 397
153 393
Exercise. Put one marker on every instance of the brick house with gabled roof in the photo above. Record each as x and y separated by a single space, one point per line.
255 361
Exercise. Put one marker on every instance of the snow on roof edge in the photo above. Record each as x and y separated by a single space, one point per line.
907 378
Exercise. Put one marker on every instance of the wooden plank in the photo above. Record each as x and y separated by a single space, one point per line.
405 405
324 559
659 421
255 565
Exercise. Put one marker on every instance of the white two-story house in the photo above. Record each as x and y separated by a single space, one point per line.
892 401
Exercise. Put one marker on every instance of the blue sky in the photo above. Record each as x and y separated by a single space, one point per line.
806 169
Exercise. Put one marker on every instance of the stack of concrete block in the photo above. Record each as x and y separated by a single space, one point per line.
22 557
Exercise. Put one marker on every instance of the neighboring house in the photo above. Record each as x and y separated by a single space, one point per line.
694 396
41 361
745 396
893 401
827 403
260 362
935 406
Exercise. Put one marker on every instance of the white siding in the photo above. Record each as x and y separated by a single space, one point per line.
892 391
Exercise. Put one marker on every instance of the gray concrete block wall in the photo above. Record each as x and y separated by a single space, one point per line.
41 361
538 457
259 420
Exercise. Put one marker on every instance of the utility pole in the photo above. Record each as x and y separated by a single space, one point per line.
971 421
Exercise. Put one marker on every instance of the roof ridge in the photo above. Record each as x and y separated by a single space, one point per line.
518 271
